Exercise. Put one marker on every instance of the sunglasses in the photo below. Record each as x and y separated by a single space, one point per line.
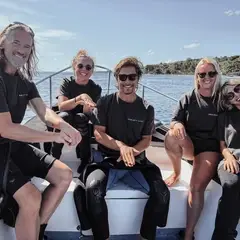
210 74
230 95
20 23
131 77
87 67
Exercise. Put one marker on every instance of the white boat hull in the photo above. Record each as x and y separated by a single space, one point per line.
126 205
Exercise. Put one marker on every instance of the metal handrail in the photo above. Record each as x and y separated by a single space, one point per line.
65 69
156 91
108 85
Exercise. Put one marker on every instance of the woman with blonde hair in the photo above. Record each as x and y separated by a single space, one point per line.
76 100
193 135
228 213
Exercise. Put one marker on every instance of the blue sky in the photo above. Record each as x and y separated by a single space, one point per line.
153 30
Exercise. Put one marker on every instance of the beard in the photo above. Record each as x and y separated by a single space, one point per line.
15 61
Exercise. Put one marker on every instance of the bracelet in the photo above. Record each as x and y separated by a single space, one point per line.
75 100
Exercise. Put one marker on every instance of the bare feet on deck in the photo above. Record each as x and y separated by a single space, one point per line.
172 179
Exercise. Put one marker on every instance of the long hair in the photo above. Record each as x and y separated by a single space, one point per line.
224 103
29 69
217 84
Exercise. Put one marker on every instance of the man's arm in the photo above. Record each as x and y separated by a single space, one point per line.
18 132
142 145
105 139
47 115
53 120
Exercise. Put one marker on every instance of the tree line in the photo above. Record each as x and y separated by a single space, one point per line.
229 66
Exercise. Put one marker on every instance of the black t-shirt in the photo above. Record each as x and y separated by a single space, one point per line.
126 122
70 89
15 94
229 129
200 122
19 92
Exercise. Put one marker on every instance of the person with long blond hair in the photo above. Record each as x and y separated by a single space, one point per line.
25 203
193 135
76 100
228 212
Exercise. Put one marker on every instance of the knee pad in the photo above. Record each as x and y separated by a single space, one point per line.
95 197
160 192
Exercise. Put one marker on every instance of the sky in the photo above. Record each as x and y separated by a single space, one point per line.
153 30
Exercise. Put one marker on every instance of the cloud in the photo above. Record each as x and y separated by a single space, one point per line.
15 7
56 33
192 45
150 52
230 13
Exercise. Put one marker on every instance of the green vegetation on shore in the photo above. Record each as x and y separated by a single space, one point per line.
228 65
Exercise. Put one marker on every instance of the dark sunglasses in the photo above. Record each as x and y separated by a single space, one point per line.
130 77
20 23
230 95
210 74
87 67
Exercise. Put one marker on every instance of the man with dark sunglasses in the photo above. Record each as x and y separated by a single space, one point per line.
27 208
124 128
76 100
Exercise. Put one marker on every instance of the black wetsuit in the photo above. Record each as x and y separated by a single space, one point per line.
200 122
228 213
70 89
127 122
26 160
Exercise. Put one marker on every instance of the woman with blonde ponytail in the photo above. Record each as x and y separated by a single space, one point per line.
76 101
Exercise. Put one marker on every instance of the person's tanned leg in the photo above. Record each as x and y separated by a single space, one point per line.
60 177
28 198
204 168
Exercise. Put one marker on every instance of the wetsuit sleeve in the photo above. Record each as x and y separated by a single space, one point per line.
3 100
149 123
100 112
221 127
33 92
180 111
64 88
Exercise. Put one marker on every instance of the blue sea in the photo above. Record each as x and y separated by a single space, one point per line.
171 85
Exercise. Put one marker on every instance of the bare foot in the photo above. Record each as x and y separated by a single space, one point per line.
172 179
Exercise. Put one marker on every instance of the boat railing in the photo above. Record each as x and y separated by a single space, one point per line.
108 89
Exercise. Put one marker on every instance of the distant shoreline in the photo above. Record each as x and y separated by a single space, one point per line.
230 66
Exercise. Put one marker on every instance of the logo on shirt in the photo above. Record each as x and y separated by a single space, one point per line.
212 114
135 120
22 94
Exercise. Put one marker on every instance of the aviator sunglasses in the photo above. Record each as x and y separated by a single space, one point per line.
210 74
87 67
230 95
131 77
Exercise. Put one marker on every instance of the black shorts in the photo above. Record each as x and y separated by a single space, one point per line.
26 162
209 145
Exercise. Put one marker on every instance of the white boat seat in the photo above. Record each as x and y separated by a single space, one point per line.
128 204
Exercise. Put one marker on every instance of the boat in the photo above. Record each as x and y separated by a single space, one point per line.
125 205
